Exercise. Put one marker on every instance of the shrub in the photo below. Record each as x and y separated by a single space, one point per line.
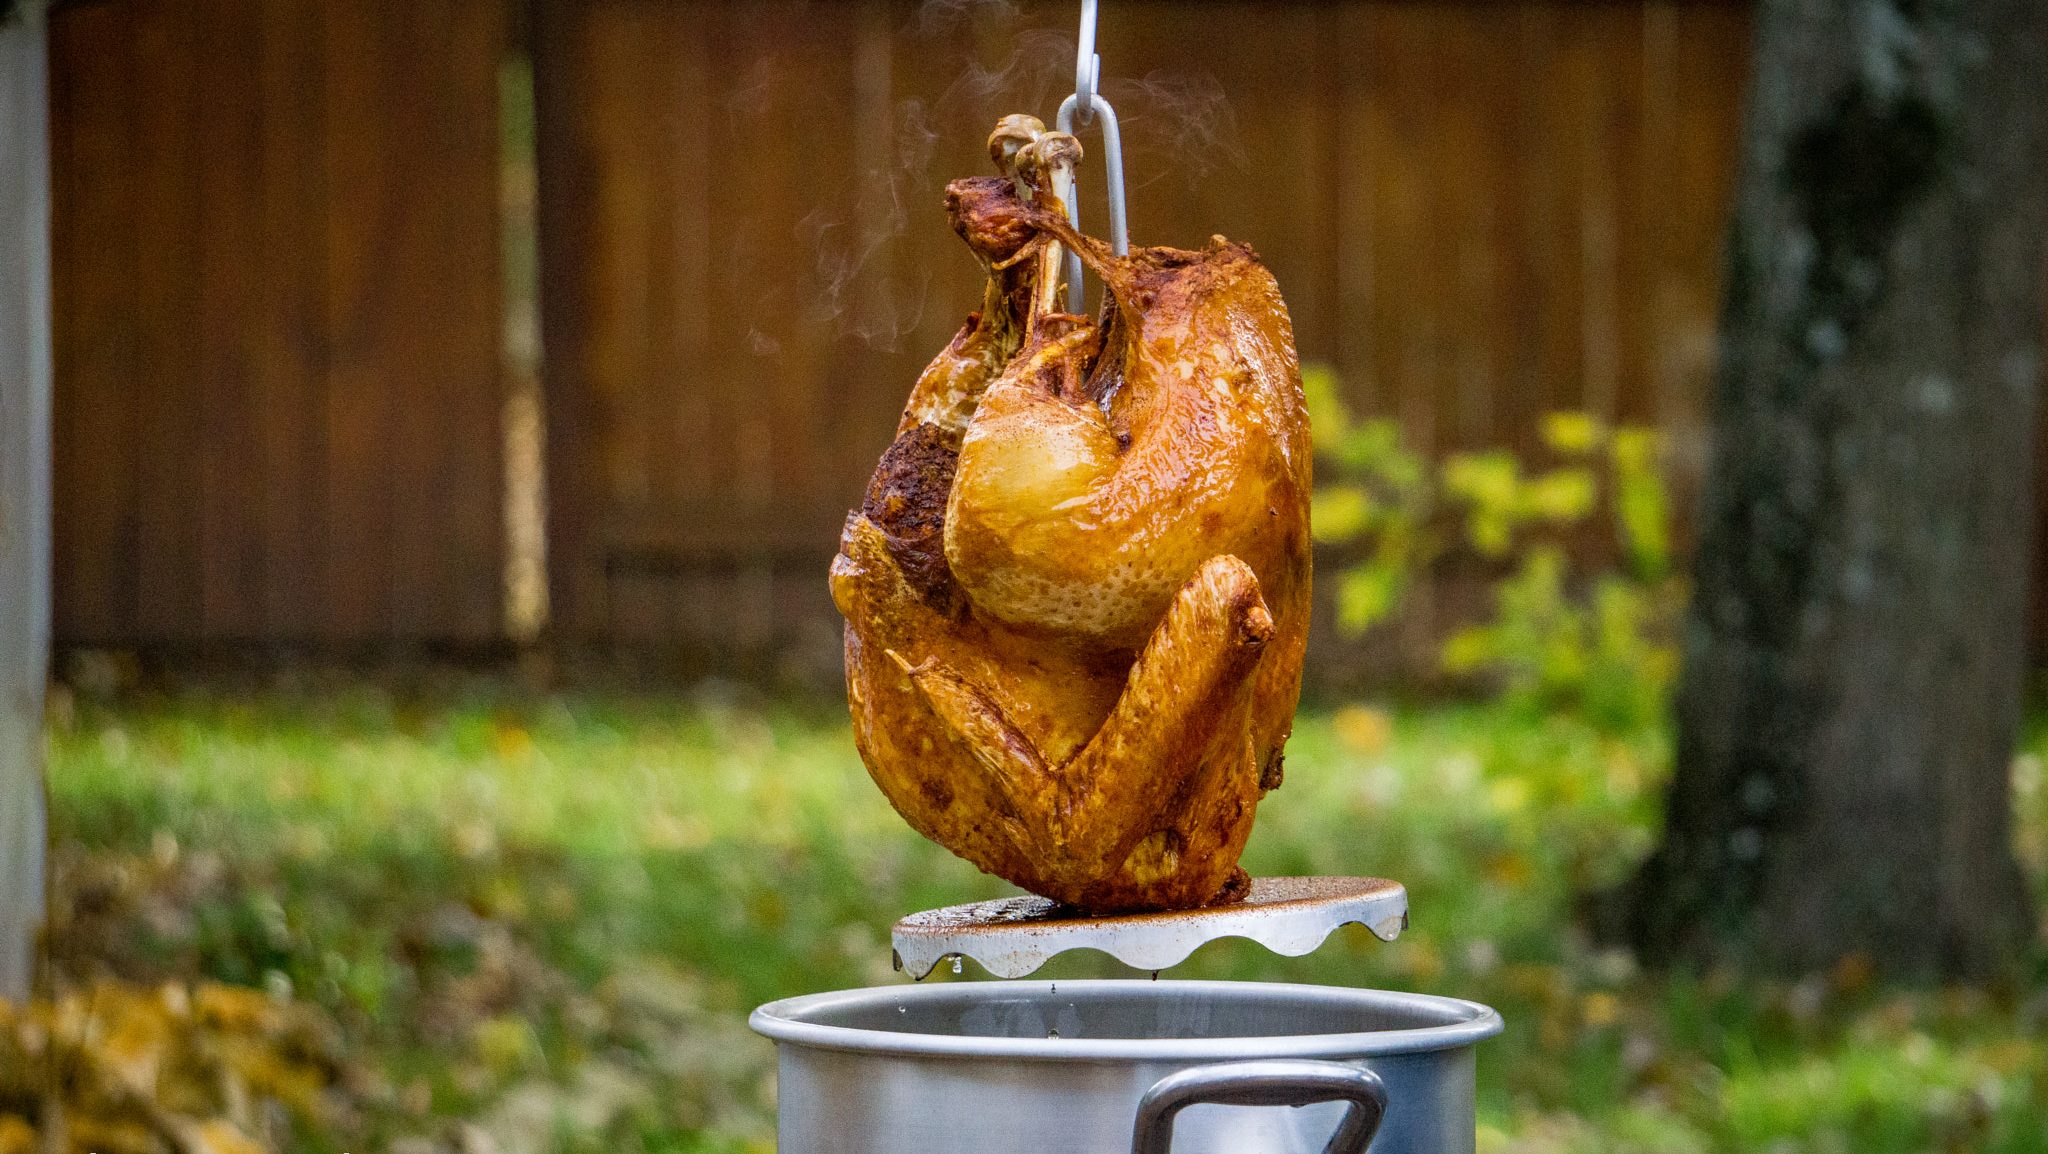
1578 619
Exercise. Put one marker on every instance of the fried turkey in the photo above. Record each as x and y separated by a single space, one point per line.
1077 590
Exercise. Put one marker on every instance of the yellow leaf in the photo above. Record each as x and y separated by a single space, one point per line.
1575 433
1328 416
1467 650
16 1135
1641 505
1560 496
219 1136
1365 595
1488 480
137 1031
1636 449
1340 512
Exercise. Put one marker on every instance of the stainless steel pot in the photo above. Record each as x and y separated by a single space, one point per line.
1146 1066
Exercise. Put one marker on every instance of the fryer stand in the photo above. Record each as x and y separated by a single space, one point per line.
1011 937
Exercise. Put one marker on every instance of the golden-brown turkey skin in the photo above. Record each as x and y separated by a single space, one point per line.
1077 591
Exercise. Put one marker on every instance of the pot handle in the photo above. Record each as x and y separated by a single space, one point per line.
1277 1082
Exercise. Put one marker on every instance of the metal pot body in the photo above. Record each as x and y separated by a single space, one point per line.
997 1067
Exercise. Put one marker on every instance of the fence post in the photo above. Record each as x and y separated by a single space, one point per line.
24 482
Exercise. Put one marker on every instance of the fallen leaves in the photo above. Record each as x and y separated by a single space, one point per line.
121 1068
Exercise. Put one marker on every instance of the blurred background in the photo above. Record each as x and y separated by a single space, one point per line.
315 235
455 406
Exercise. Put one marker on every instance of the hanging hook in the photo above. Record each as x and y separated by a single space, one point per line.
1087 65
1081 109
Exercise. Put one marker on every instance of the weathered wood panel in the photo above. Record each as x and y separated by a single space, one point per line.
703 412
278 288
93 225
1479 212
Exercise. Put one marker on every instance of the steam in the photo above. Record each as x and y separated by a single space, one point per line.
872 231
854 289
939 17
1189 113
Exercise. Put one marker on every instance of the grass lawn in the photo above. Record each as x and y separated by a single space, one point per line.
537 923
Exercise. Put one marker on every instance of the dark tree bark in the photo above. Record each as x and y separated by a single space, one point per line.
1854 651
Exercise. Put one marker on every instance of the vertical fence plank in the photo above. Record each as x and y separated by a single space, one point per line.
1471 97
229 152
1636 216
164 149
564 163
1563 77
1407 315
442 360
366 227
290 337
1515 44
1361 129
93 86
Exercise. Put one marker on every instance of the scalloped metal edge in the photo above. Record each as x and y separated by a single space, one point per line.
991 935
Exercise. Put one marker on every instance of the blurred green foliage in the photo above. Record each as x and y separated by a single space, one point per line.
1583 599
536 923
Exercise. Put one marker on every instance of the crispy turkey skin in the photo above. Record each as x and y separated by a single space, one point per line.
1077 589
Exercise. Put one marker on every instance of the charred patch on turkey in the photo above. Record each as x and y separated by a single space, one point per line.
906 499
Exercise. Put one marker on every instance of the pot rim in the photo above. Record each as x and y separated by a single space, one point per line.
784 1022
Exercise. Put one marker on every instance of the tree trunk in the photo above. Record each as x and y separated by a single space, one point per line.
1854 651
24 484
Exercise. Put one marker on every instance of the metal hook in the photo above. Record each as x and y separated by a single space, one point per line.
1087 64
1081 109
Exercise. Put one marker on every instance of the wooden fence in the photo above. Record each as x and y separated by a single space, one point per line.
1478 212
278 323
278 274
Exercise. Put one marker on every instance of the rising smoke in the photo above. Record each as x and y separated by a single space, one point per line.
868 230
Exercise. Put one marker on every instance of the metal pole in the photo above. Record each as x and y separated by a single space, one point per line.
1079 110
24 485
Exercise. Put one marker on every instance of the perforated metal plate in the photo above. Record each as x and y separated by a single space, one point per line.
1011 937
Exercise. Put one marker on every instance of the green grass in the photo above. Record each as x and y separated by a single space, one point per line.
549 916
